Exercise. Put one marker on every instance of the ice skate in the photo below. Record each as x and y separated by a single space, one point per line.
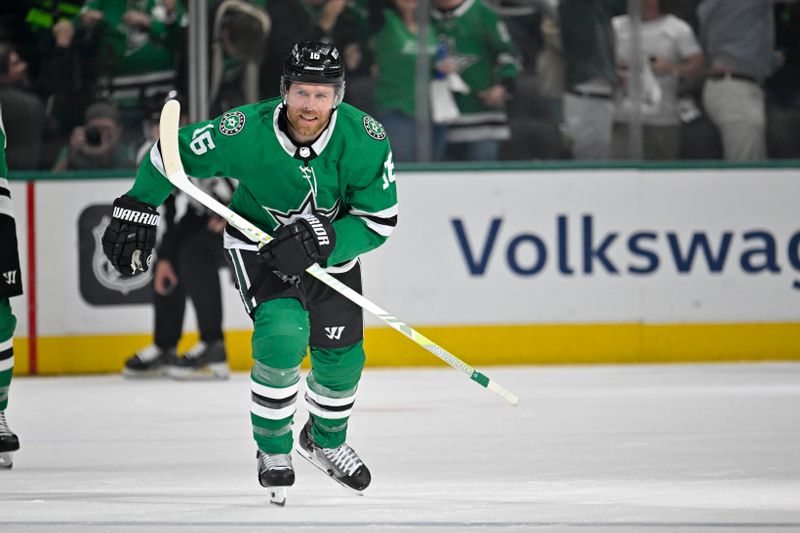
276 473
9 443
342 464
203 361
149 362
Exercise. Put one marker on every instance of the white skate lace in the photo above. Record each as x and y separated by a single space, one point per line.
197 350
276 461
148 354
344 458
4 425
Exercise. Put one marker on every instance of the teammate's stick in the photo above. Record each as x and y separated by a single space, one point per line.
173 166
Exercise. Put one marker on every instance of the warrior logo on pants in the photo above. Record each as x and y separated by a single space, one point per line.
334 332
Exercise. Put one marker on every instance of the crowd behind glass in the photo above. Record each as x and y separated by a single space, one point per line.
81 83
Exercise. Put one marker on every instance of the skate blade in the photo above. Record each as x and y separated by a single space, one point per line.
305 455
6 460
147 374
208 373
277 496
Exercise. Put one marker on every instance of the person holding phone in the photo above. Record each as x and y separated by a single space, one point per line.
97 143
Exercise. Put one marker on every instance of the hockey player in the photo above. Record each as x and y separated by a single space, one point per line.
318 175
10 285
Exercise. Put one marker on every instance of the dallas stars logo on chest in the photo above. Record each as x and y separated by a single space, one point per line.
307 207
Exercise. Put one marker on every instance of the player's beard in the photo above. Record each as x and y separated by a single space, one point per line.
303 128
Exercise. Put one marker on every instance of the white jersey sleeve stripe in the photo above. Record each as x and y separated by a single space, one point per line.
383 230
155 158
381 222
6 207
389 212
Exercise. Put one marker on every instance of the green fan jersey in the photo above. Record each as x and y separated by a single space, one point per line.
347 174
396 56
136 61
137 51
479 45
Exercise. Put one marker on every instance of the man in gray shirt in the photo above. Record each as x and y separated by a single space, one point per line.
588 43
739 40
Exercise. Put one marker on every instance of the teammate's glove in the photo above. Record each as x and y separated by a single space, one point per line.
299 245
130 236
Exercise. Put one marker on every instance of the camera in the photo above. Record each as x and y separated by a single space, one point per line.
93 137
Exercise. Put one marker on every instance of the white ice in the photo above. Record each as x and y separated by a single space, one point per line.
686 448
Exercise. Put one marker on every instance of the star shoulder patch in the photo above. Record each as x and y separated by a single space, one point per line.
374 128
231 123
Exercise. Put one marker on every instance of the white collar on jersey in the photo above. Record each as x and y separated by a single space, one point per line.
455 12
289 146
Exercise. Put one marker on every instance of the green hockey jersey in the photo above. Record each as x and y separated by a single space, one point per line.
135 61
347 174
479 44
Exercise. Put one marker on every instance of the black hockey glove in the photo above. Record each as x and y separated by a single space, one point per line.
130 236
299 245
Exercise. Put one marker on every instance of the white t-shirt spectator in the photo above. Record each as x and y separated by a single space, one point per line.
667 37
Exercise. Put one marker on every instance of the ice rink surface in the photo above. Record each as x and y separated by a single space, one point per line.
686 448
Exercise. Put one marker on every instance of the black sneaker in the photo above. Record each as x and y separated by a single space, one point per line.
342 463
203 361
149 362
9 443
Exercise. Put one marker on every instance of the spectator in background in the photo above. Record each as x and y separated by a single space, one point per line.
98 143
591 79
138 42
483 56
24 114
783 87
331 21
685 10
669 45
395 52
239 34
550 67
67 84
739 39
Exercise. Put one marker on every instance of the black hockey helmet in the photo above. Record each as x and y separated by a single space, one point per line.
314 62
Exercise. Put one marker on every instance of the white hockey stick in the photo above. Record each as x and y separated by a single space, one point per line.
174 169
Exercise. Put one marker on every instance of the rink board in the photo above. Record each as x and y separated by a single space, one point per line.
499 267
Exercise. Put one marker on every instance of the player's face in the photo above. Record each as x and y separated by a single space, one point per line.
309 107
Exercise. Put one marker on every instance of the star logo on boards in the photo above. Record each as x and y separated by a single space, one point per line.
307 207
